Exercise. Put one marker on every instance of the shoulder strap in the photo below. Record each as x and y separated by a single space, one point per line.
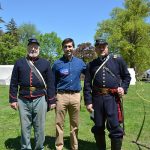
110 72
101 66
36 72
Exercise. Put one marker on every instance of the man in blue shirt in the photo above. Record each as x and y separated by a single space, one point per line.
67 71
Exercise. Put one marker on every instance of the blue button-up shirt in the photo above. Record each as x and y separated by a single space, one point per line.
67 73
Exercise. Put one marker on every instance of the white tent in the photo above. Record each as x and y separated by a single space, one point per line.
132 73
5 74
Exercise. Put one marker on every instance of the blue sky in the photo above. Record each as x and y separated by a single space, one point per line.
68 18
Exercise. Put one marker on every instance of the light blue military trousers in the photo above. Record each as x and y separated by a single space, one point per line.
32 113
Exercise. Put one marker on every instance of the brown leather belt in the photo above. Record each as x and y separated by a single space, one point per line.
31 88
67 92
104 91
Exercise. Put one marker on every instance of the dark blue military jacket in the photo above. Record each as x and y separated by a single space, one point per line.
22 76
113 74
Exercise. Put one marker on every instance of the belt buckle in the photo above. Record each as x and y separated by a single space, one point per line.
104 91
32 88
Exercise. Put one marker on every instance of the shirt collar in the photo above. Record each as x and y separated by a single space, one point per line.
66 60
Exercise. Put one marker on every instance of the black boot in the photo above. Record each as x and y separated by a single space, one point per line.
116 144
99 135
100 141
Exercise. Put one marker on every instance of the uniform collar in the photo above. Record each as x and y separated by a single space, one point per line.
102 58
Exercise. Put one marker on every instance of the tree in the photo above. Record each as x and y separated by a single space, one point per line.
50 45
11 27
27 31
1 21
128 32
85 51
9 51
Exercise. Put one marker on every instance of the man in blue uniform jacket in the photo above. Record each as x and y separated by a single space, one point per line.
27 93
106 79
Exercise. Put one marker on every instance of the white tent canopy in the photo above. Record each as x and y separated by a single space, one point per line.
133 78
5 74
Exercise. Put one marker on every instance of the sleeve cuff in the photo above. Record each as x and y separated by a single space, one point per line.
52 100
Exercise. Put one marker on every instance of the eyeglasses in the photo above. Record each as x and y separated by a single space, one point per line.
69 46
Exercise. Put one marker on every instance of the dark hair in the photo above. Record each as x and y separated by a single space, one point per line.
68 40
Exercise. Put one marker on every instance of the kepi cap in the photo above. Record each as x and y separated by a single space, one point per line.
33 40
100 42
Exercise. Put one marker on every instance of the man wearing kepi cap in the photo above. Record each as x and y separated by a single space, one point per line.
27 92
106 80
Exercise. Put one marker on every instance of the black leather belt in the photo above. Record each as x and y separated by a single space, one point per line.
31 88
67 92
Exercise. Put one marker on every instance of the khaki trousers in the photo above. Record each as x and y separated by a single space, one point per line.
71 103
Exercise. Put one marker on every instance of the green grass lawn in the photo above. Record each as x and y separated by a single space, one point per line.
133 109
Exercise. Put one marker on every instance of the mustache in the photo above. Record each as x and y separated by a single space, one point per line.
33 53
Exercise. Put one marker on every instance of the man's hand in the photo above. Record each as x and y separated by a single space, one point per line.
120 91
52 106
90 108
14 105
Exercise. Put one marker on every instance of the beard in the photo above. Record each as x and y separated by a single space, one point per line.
68 53
33 53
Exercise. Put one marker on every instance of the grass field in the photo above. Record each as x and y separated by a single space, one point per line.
138 96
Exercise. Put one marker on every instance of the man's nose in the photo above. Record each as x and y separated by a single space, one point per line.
33 48
67 48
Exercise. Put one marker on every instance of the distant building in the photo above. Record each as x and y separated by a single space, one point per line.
146 76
